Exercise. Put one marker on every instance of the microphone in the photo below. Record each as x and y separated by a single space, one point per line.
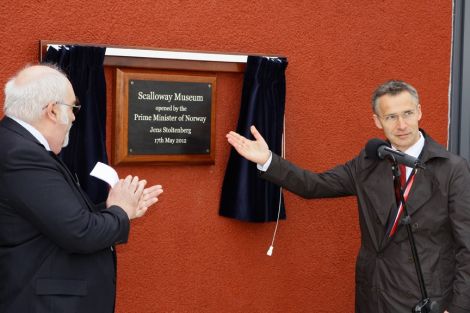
379 149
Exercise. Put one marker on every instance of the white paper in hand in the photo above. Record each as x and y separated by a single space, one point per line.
106 173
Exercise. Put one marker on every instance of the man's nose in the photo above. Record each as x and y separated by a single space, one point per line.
401 122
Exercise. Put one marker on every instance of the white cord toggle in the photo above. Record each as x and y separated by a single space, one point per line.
270 251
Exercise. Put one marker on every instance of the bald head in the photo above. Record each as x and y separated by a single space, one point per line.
32 73
32 89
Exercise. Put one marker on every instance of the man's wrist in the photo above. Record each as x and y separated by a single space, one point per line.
264 167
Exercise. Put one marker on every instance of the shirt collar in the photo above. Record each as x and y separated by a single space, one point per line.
33 131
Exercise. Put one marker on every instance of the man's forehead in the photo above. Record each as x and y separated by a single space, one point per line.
401 100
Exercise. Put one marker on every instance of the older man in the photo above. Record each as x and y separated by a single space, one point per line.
438 202
56 247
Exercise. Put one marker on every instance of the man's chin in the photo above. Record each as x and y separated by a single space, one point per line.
402 143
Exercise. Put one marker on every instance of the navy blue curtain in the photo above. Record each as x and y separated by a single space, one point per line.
245 196
87 145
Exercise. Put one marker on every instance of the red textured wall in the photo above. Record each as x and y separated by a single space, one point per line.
183 257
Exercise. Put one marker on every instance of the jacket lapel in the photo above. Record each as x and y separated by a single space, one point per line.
422 190
425 183
376 198
380 191
72 180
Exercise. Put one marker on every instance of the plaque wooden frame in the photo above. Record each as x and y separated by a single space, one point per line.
120 149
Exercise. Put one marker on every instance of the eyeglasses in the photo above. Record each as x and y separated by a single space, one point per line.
393 118
75 106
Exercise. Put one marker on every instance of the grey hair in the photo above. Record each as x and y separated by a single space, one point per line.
393 88
26 100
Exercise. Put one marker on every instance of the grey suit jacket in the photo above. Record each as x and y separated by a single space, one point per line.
439 205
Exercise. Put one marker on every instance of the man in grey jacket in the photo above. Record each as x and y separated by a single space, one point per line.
438 203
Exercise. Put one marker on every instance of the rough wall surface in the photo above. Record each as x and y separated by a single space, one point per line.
183 257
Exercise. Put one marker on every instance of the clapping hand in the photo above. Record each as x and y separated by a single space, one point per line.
131 195
148 198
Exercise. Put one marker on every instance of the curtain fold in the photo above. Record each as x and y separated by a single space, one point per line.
84 68
244 195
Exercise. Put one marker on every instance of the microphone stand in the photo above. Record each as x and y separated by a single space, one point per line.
425 305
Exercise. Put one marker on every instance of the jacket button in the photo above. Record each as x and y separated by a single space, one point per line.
415 226
410 259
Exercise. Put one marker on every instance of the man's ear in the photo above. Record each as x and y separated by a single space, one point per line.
377 121
52 112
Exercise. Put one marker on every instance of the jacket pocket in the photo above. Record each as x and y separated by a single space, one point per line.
46 286
59 295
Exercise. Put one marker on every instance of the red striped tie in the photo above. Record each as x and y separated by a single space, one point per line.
402 176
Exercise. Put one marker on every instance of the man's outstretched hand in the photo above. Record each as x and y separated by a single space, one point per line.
253 150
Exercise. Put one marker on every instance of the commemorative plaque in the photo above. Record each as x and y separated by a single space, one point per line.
164 117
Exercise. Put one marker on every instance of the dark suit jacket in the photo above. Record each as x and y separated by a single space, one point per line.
439 204
56 250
